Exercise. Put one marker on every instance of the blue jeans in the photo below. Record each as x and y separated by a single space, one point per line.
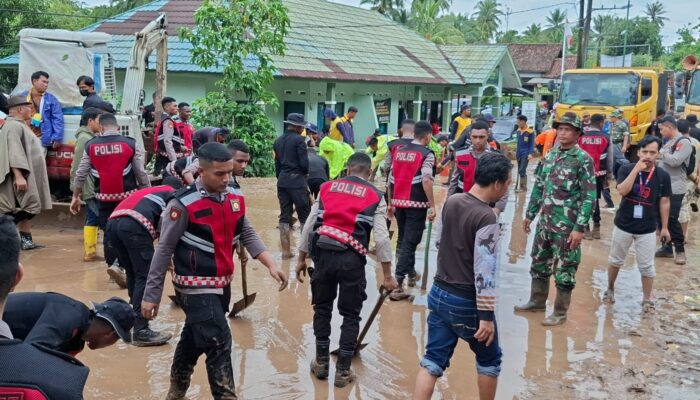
452 318
90 214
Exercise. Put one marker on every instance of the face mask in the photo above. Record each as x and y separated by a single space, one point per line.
84 92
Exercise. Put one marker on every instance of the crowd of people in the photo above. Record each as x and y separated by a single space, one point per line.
191 224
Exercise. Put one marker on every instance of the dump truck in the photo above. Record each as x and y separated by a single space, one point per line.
692 99
66 55
638 92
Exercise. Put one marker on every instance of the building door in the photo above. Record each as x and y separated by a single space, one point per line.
297 107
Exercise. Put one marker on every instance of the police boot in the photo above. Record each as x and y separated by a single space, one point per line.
665 251
587 233
596 231
320 364
413 278
561 306
343 372
539 290
90 244
143 336
284 241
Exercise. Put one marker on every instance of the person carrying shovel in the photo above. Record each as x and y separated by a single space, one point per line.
336 234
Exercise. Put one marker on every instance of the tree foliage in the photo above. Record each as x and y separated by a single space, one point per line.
488 18
655 12
687 44
240 37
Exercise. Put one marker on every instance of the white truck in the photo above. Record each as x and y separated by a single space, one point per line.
66 55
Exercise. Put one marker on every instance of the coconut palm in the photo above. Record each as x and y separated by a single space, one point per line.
426 21
655 12
385 7
555 25
488 15
532 34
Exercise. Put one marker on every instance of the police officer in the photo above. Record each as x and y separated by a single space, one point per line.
30 371
408 127
60 323
563 195
170 142
117 167
411 194
596 143
131 230
337 236
199 229
178 167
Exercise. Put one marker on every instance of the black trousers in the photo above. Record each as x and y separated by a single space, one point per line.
674 227
315 186
105 209
161 162
522 166
340 274
133 246
291 199
599 182
411 223
206 331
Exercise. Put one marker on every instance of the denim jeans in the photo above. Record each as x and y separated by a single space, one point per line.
452 318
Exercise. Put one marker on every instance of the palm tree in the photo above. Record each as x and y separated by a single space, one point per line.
401 16
601 27
424 20
488 15
655 12
385 7
532 34
512 36
555 25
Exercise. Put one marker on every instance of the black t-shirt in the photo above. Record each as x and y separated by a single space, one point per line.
659 186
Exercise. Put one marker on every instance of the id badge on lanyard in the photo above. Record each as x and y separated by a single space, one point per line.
638 212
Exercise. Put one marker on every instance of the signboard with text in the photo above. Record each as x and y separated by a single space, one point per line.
529 109
383 110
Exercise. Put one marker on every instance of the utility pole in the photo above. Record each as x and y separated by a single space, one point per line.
579 52
587 30
627 28
589 16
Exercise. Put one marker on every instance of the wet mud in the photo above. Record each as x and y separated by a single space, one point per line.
602 352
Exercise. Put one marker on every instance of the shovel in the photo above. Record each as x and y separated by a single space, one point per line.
383 293
247 299
424 282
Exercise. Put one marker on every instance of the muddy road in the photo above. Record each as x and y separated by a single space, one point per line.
602 352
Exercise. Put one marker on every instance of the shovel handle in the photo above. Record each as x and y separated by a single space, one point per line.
424 281
243 256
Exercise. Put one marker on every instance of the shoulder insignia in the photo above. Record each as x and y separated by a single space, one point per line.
235 205
175 214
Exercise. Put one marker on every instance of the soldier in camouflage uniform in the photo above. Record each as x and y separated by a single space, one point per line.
564 194
619 131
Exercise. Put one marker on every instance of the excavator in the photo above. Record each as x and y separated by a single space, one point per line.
66 55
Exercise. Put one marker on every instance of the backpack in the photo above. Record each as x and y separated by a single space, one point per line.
691 165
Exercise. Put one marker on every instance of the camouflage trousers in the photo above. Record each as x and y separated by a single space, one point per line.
551 253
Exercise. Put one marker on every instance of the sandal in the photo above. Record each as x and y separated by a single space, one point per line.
609 297
648 306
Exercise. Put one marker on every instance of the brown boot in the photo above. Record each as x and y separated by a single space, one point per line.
399 294
680 259
561 306
413 278
539 290
523 184
587 234
343 372
596 231
284 241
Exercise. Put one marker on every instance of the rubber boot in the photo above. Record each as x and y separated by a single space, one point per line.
343 372
596 231
320 364
90 244
539 291
680 258
665 251
523 184
561 306
118 274
284 241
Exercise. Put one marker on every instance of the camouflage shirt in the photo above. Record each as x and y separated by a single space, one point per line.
618 131
564 192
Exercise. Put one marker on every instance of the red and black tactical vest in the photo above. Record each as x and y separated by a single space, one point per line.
204 255
466 168
406 179
178 138
397 144
146 207
346 211
595 143
111 157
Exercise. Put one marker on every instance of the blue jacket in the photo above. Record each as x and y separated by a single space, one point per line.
52 120
525 142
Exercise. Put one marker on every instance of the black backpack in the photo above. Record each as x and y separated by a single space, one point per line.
691 159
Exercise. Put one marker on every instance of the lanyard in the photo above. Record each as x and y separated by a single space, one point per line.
645 184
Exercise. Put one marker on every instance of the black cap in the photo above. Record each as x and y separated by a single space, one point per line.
296 119
692 118
119 314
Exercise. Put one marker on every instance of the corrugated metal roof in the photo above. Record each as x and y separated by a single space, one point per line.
475 62
326 41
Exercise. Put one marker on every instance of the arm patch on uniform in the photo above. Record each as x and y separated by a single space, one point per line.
175 214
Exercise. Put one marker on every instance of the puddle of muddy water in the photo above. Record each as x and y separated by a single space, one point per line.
274 343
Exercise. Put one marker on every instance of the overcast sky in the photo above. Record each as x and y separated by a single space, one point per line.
679 12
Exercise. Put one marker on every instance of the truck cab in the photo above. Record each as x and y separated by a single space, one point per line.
638 92
66 55
692 100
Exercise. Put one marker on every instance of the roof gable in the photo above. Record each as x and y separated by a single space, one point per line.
555 70
476 63
534 57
